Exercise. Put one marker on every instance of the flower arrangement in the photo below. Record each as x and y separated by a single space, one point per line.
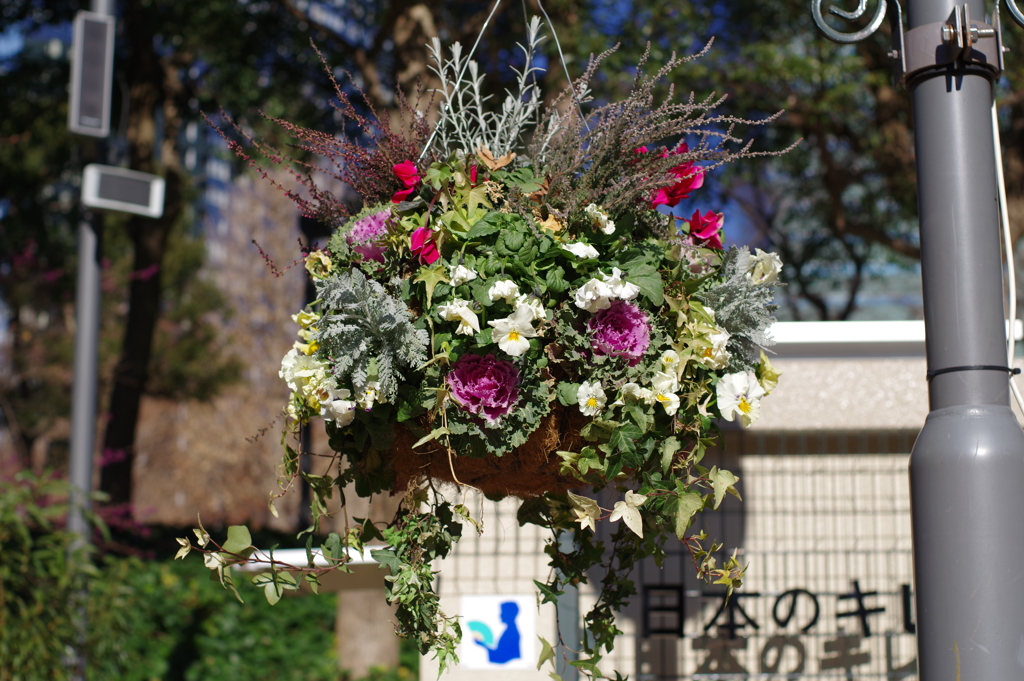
515 310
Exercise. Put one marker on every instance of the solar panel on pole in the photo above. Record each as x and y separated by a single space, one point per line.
92 74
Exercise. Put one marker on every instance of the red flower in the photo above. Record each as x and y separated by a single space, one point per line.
707 228
409 176
690 177
421 243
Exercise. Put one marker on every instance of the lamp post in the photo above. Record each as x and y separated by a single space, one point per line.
967 466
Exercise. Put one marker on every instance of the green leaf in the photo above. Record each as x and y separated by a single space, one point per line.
273 592
387 558
722 481
689 504
431 277
434 434
546 653
485 227
238 539
649 281
587 665
548 593
668 451
555 280
567 393
313 581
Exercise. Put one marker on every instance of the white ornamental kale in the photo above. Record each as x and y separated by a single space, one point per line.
365 330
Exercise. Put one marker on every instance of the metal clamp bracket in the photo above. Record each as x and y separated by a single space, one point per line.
938 44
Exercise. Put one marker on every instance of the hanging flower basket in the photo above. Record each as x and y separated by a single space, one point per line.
527 306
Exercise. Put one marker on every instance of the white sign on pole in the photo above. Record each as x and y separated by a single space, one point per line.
498 632
92 74
129 191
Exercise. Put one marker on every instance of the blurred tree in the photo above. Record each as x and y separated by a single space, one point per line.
174 60
844 197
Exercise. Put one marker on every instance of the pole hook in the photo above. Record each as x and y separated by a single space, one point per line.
841 37
1018 16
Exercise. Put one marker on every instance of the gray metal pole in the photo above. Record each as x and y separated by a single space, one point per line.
84 397
568 609
87 326
967 466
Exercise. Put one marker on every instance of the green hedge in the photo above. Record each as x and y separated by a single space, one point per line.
146 619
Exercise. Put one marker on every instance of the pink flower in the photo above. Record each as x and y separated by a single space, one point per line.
689 176
421 243
707 228
409 176
365 233
485 386
472 175
621 330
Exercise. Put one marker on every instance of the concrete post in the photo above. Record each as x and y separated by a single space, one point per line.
967 466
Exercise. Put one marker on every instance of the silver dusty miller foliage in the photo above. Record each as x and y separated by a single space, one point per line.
371 332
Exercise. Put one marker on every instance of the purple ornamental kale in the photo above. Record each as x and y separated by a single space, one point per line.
621 330
365 233
485 386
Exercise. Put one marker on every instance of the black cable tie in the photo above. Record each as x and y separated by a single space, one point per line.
973 367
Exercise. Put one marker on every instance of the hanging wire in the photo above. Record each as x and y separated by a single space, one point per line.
565 68
1011 275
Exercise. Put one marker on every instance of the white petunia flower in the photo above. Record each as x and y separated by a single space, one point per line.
511 333
297 368
582 250
341 410
535 304
633 393
665 386
599 218
591 398
504 289
460 274
628 511
594 295
306 319
763 268
716 356
369 396
620 288
740 395
670 362
458 311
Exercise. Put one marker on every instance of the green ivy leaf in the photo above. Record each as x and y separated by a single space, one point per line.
547 653
548 593
722 481
434 434
668 451
387 558
689 504
431 277
238 540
